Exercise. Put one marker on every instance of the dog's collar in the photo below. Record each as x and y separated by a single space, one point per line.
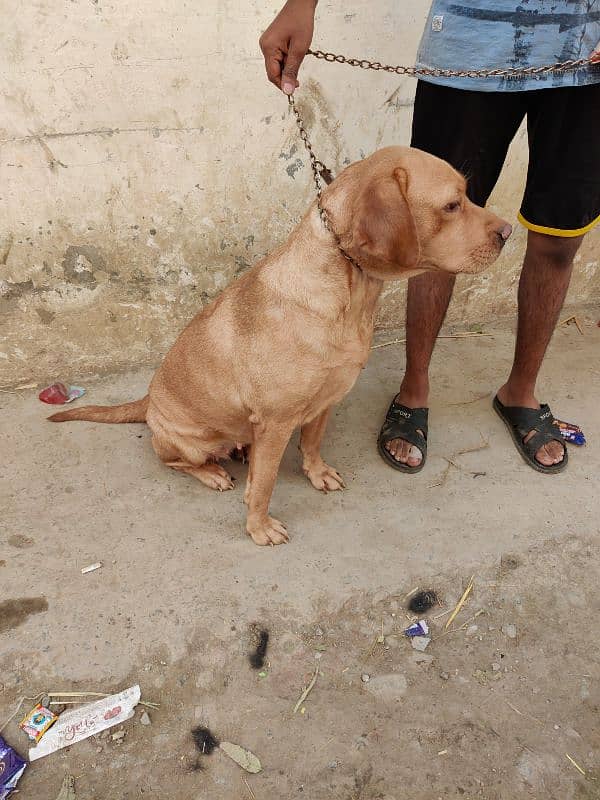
324 217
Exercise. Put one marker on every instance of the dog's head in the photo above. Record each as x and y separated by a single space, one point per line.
403 211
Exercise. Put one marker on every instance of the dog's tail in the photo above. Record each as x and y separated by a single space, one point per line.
127 412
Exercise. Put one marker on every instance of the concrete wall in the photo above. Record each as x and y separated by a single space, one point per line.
145 161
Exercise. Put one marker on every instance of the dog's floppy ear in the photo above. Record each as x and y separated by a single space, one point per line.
383 225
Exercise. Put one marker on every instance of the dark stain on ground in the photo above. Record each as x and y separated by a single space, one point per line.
76 261
20 541
15 612
45 315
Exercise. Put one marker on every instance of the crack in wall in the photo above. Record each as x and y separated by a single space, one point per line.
154 129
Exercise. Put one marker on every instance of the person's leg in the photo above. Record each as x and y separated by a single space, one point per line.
561 203
427 301
542 288
472 131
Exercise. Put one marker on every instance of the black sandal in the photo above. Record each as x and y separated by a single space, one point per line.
520 421
405 423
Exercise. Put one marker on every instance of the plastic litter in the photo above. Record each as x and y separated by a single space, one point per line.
59 393
37 721
570 432
420 628
12 766
91 568
88 720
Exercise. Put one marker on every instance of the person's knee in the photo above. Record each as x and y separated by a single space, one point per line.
559 251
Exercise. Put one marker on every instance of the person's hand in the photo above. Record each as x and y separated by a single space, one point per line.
286 41
595 57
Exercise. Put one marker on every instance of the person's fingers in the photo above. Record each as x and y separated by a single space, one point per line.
595 57
289 76
273 64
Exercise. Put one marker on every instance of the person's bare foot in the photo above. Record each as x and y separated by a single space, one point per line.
549 454
402 451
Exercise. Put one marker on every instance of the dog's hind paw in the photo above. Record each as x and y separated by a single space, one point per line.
269 531
324 478
213 476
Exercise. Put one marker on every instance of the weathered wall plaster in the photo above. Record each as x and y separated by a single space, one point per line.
145 161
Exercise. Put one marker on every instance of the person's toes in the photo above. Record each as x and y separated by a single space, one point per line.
391 447
544 457
404 452
550 454
556 451
414 457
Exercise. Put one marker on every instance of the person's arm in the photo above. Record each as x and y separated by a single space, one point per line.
286 41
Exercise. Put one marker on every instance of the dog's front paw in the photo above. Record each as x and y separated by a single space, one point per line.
267 531
323 477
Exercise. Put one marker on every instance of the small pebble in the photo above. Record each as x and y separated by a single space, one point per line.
472 629
365 678
118 736
420 643
444 676
510 630
495 666
145 719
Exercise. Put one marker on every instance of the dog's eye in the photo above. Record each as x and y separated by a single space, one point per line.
452 207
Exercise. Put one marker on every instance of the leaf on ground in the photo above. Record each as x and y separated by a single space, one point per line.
67 791
244 758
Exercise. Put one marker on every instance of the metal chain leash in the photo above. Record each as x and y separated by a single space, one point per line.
320 175
320 172
435 72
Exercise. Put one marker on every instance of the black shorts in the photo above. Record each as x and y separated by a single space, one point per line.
473 130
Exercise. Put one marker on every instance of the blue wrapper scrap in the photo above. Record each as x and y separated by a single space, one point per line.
420 628
12 767
570 432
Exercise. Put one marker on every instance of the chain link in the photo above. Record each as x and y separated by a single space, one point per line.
320 175
435 72
320 172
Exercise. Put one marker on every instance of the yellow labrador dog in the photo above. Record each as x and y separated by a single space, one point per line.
284 343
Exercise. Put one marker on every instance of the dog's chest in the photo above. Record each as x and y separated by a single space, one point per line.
343 365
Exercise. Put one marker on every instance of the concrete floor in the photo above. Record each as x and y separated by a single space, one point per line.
181 583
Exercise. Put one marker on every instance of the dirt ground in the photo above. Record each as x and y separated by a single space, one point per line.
490 710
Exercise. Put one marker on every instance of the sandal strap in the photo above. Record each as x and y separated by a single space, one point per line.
540 420
402 422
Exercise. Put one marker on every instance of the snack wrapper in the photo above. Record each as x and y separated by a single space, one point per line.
12 766
59 393
36 723
420 628
88 720
570 432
